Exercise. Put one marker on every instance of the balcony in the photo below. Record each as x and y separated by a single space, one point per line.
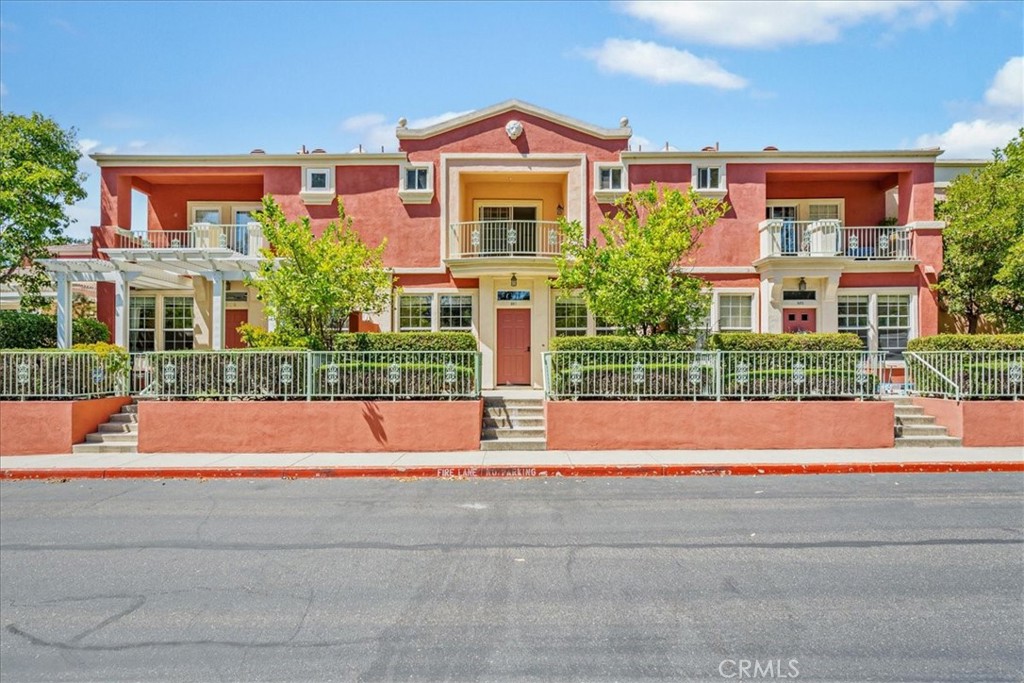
831 239
494 246
244 240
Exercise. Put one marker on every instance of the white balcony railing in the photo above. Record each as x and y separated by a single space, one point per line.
482 239
244 239
780 237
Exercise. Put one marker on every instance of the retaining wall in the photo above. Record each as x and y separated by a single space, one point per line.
978 423
45 427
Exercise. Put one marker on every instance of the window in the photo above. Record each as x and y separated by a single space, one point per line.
822 212
609 181
317 179
734 312
415 313
178 333
893 323
456 312
317 186
141 324
570 317
710 178
416 183
603 327
855 316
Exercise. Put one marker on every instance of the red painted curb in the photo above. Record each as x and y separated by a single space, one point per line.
509 472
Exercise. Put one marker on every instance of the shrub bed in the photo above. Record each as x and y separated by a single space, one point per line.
968 342
20 330
85 371
751 341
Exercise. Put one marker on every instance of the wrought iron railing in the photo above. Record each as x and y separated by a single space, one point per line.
965 374
308 375
712 374
62 374
781 237
244 239
479 239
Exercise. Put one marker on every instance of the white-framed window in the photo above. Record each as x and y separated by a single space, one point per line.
884 319
434 311
709 178
805 209
416 183
141 324
735 312
317 185
456 313
610 181
177 327
570 317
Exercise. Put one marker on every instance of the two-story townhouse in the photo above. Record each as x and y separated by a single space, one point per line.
813 241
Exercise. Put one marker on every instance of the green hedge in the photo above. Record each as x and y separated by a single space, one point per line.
751 341
405 341
968 342
617 342
34 331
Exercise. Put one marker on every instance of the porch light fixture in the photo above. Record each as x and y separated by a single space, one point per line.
514 281
802 285
560 210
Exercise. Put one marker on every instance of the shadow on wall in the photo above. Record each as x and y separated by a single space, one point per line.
373 418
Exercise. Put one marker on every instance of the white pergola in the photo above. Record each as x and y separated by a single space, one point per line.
148 269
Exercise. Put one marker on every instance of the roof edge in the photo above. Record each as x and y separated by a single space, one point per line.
352 158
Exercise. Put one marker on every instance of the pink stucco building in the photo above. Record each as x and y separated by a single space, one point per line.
814 241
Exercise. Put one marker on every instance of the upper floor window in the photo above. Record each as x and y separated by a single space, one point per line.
416 183
317 185
709 178
609 181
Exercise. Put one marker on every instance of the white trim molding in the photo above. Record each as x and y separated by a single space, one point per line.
607 195
416 195
319 195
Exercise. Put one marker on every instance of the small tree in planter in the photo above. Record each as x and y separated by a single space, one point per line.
631 280
307 282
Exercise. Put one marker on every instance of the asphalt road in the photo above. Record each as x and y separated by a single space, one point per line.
909 578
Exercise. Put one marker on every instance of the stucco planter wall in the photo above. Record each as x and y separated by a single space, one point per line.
615 425
46 427
979 423
308 426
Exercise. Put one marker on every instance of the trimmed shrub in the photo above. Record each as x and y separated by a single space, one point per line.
752 341
405 341
968 342
20 330
618 342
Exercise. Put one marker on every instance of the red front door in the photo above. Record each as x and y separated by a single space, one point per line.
799 320
513 346
233 317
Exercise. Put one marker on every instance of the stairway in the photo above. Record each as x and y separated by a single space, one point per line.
120 434
915 428
513 424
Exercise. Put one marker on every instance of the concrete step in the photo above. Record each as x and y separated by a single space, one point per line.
909 410
900 400
98 437
915 419
927 441
104 448
124 417
513 444
924 430
503 433
119 428
513 421
131 408
513 402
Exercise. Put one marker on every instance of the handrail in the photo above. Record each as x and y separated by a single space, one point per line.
939 373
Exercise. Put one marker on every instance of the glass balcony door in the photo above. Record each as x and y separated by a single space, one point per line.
508 229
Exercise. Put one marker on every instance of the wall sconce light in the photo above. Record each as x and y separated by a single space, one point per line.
802 285
560 210
514 281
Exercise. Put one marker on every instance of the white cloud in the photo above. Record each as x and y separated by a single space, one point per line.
639 142
1007 89
374 131
3 89
774 24
87 145
971 139
661 64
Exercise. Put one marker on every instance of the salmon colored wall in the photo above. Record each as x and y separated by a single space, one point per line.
864 201
734 240
46 427
927 298
308 426
978 423
168 204
616 425
414 280
550 193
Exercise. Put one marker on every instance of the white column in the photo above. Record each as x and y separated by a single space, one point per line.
63 283
122 295
217 314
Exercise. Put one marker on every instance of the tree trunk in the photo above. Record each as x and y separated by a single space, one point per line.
972 323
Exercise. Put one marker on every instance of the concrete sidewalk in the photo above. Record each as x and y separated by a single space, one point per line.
510 463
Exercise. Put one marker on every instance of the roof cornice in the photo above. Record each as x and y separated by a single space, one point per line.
678 156
352 159
622 133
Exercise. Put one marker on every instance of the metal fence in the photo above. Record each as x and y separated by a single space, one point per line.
307 375
965 374
62 374
712 374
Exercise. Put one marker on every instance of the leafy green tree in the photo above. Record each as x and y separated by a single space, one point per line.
631 280
983 242
39 179
307 283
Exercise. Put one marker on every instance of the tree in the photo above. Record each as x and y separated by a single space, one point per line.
307 283
983 242
632 280
39 179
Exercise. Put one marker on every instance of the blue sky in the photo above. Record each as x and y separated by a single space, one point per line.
191 78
